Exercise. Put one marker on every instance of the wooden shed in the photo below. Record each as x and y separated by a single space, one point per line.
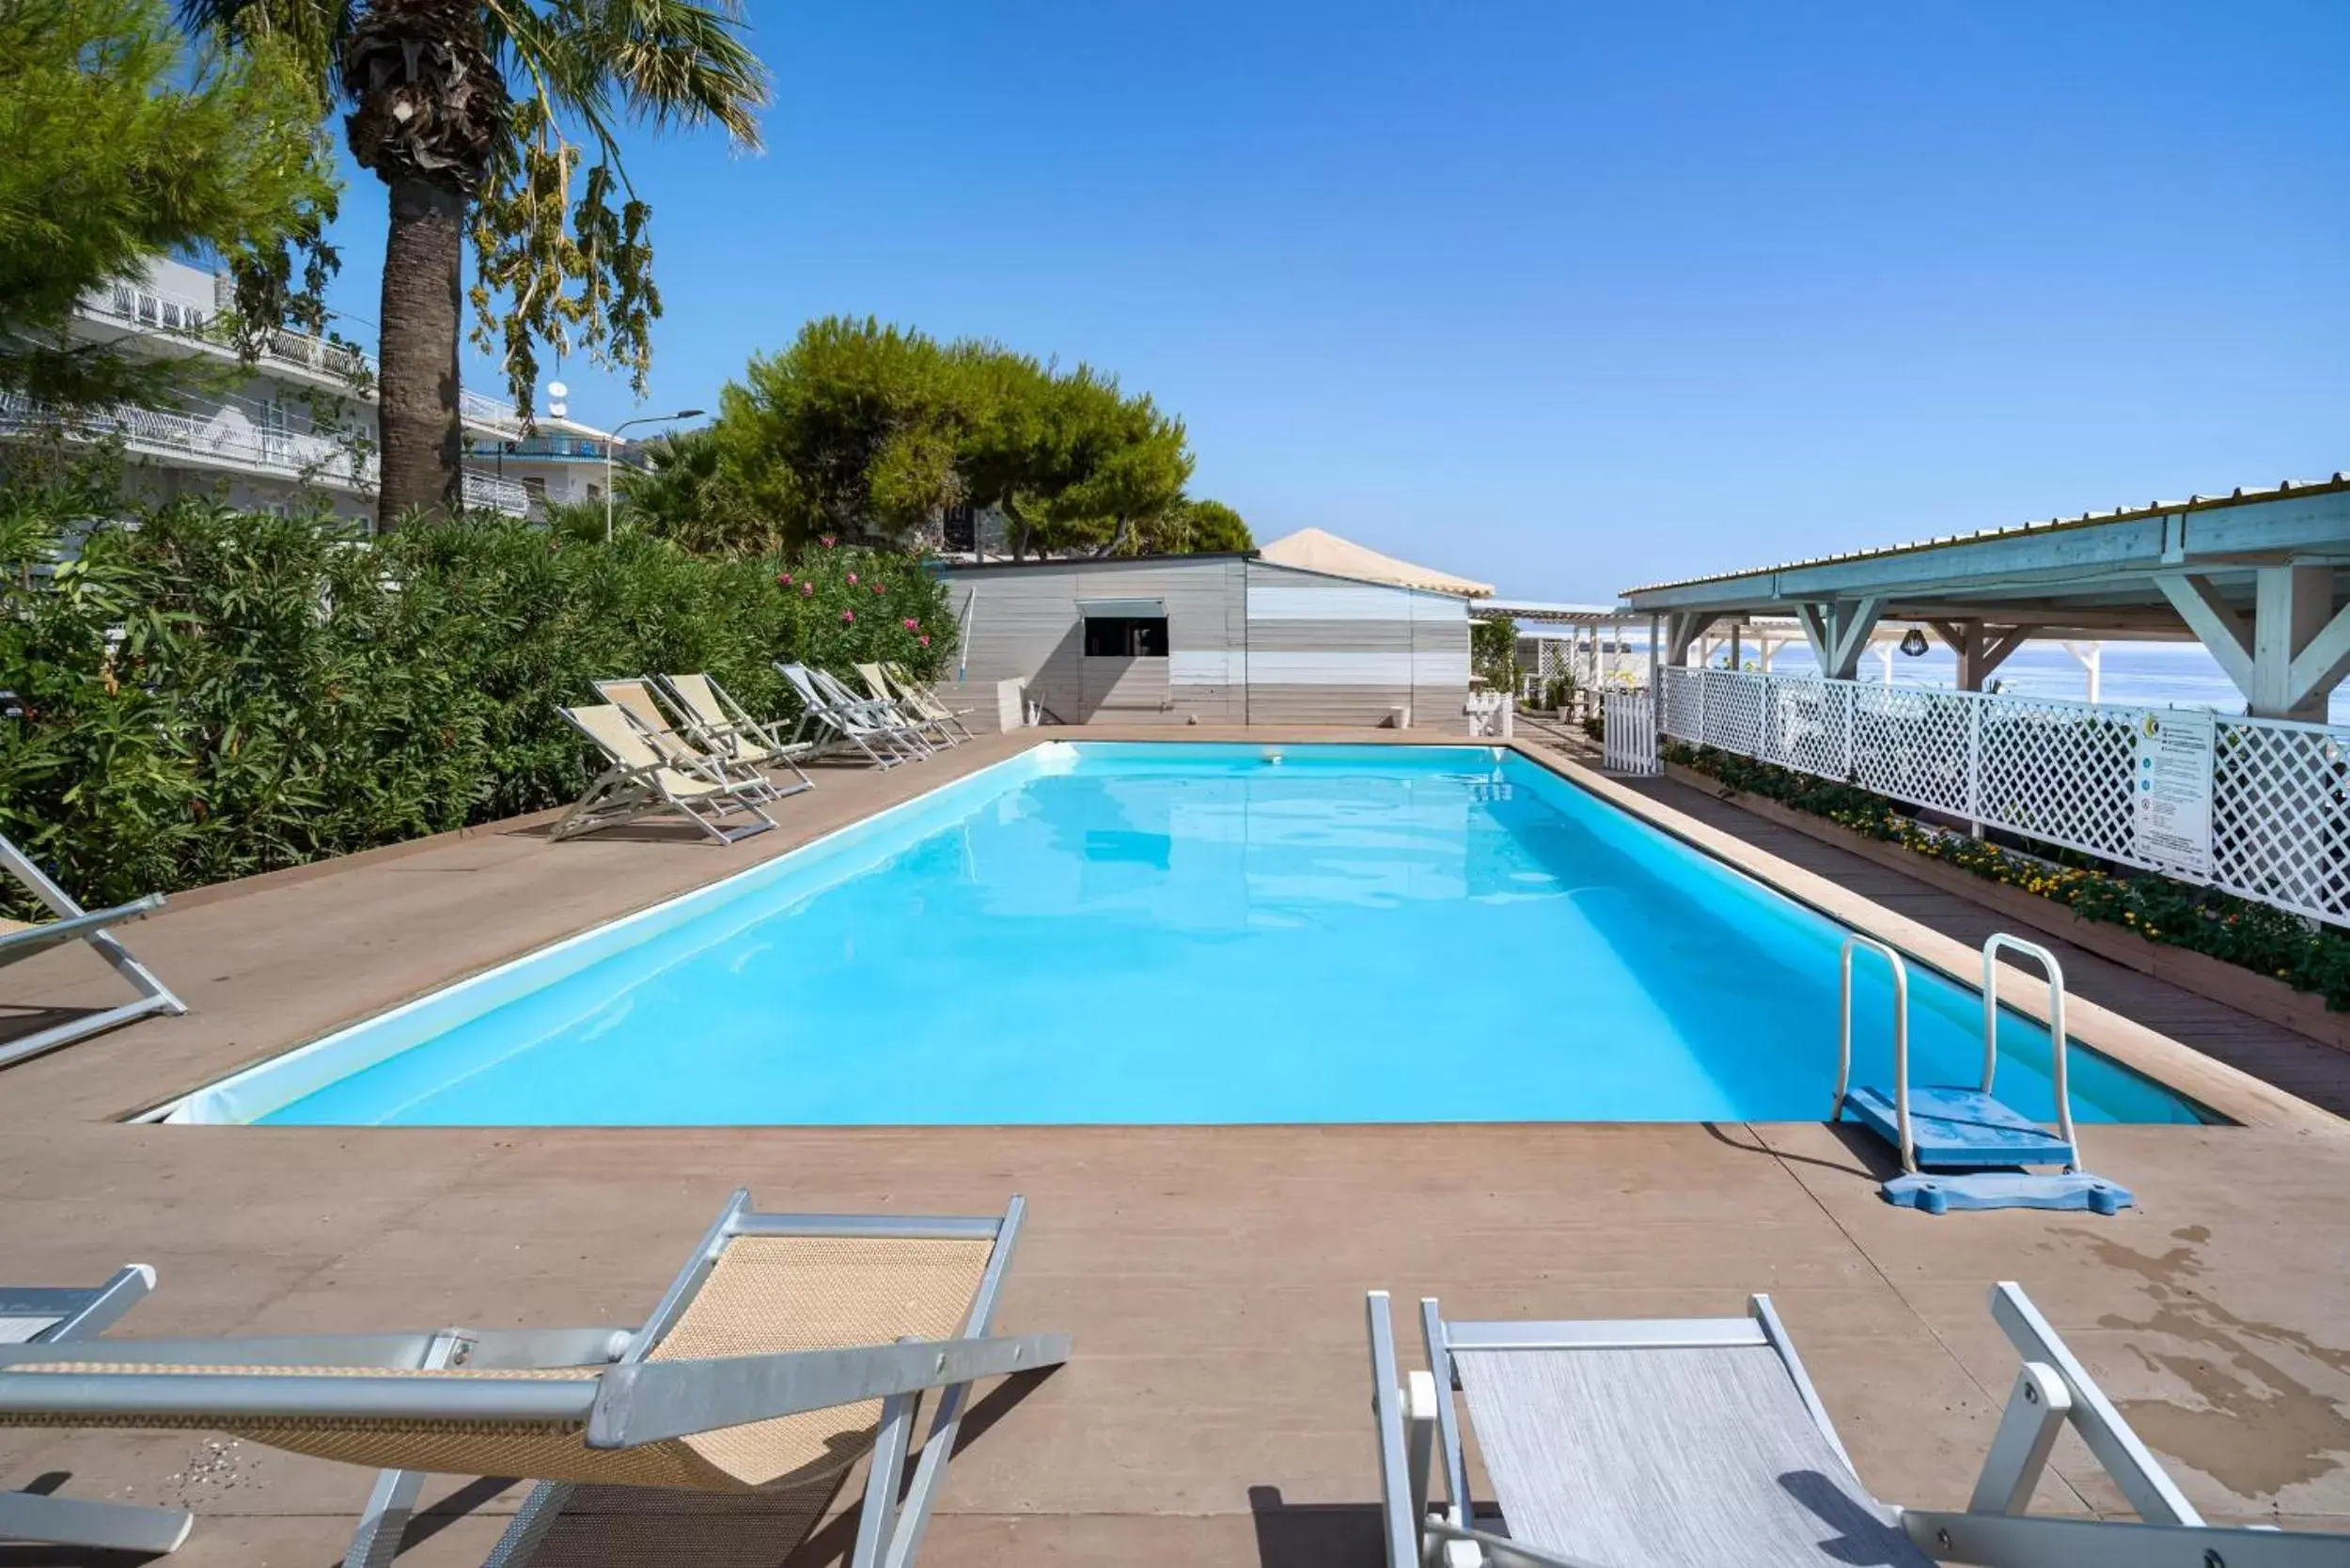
1211 640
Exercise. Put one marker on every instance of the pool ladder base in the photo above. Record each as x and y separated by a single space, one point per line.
1960 1147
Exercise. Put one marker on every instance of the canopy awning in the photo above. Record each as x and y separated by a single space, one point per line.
1121 609
1312 550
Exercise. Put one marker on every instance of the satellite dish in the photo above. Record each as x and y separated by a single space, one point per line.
556 411
556 389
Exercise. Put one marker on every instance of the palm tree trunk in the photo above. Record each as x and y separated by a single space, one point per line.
421 435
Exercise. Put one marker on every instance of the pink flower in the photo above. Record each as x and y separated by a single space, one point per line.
926 639
853 579
826 541
912 624
846 616
784 578
807 588
880 588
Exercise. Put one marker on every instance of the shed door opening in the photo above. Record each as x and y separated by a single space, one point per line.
1126 637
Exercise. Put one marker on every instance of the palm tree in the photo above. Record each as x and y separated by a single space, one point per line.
467 110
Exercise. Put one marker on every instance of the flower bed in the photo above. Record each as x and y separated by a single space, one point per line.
2251 936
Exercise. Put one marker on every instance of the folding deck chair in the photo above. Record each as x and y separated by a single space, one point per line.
643 782
891 680
725 726
49 1315
1699 1443
888 710
858 726
73 923
788 1348
676 737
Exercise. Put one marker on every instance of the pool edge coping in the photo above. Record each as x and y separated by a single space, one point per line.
2240 1096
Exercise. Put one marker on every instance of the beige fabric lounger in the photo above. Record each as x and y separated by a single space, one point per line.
891 680
20 940
1700 1442
788 1349
679 740
642 781
725 726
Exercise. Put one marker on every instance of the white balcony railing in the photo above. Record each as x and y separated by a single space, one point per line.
148 310
228 440
495 494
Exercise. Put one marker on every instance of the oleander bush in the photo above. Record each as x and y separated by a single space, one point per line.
203 693
2305 955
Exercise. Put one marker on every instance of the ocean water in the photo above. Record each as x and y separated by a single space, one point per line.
1152 934
2148 674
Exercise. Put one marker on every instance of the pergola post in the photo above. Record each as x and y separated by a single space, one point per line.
2092 659
2294 651
1979 649
1838 631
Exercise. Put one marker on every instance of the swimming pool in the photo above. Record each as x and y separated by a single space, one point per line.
1125 932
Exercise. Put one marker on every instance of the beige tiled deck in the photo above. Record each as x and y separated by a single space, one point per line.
1216 1411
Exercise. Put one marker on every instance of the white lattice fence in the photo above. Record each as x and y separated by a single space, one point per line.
2280 815
2057 772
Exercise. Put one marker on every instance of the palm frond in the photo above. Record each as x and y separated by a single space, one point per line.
669 64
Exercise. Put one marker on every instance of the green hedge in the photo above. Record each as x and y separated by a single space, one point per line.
208 693
2251 935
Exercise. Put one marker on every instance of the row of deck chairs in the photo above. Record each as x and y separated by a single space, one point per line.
792 1347
681 745
895 719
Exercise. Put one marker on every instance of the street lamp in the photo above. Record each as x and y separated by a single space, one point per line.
611 440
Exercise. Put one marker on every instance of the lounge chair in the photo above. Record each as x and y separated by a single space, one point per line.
1698 1442
887 710
788 1348
913 696
50 1315
641 782
858 726
724 724
676 738
18 941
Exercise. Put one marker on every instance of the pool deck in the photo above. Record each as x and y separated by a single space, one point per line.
1216 1411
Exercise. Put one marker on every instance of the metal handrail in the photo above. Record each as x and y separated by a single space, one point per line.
1901 1040
2059 1045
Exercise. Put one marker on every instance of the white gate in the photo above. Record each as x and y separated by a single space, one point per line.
2058 772
1628 733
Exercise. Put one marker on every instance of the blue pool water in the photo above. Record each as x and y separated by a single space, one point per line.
1098 933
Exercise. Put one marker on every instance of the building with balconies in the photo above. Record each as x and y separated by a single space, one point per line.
296 426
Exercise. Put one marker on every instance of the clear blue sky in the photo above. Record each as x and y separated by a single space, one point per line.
1566 297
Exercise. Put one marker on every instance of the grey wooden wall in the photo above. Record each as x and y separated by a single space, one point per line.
1248 643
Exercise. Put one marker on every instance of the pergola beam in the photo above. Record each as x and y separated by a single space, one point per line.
2290 654
2215 622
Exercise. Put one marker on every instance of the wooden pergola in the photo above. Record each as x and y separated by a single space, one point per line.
2259 577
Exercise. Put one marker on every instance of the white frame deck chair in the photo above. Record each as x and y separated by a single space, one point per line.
684 744
904 706
725 726
51 1316
76 924
912 694
888 710
788 1348
642 782
884 744
1700 1442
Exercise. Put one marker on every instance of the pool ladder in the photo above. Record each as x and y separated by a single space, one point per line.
1951 1128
